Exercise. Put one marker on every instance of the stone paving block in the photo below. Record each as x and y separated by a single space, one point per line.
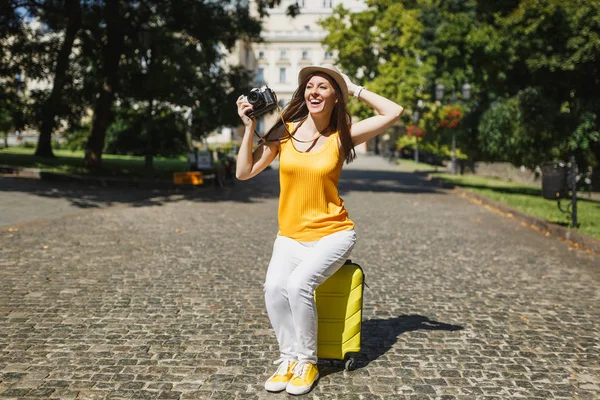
162 298
40 392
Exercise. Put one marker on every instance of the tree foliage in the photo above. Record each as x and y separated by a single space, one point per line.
553 76
95 57
380 48
532 66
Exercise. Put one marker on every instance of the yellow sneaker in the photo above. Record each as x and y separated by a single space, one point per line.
305 376
279 380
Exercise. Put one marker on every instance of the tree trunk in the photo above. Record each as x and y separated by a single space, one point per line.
102 108
417 149
188 129
50 106
149 139
188 139
453 154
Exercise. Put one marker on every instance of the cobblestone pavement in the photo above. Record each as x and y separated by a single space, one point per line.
26 201
161 298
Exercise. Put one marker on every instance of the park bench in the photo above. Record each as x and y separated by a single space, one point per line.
207 165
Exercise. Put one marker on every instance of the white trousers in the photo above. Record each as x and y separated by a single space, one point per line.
295 271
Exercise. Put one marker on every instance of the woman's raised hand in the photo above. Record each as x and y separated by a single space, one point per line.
243 107
351 86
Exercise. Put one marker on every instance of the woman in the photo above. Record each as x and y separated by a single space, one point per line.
315 234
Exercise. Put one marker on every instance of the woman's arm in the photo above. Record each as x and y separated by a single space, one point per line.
249 163
388 113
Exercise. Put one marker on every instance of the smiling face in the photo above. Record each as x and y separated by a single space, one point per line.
320 95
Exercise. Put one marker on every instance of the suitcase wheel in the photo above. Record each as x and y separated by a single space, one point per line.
350 364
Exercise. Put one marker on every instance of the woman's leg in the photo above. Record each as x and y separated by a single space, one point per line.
283 262
322 259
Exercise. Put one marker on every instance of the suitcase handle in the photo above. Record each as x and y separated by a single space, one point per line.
349 261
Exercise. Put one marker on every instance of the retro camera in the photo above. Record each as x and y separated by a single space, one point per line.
263 99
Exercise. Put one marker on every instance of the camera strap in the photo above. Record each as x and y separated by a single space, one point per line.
264 139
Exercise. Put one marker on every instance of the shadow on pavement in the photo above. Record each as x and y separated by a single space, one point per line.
264 186
379 335
385 181
85 195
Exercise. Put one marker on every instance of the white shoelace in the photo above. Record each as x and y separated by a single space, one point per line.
301 369
283 366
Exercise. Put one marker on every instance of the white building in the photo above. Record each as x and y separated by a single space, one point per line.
288 45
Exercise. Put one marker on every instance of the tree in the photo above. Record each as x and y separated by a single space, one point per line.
184 56
379 48
403 48
190 39
15 47
535 58
184 69
108 74
70 19
549 80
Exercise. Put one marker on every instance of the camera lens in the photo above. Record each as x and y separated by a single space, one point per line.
253 97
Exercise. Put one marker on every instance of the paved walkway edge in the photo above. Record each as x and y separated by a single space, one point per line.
579 240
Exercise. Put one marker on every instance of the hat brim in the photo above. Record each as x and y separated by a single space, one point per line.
333 73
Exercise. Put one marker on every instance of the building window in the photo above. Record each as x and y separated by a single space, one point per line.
328 55
261 55
282 77
301 3
305 54
327 3
283 54
260 75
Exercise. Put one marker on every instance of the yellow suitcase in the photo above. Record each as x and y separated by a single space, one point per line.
339 309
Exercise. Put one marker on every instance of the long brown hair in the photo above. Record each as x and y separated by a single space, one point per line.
296 110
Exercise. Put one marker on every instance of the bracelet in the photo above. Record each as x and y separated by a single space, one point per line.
358 90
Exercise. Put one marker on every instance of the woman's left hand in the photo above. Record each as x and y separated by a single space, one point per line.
351 86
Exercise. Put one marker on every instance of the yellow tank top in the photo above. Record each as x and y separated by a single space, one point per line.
309 203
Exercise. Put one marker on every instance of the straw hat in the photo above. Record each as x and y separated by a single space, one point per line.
328 69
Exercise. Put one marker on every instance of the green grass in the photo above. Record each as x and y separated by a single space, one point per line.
528 198
67 161
417 166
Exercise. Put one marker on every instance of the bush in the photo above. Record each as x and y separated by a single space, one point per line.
443 152
77 138
517 130
58 145
28 145
405 142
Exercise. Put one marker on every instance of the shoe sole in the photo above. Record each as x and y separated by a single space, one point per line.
274 389
304 390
